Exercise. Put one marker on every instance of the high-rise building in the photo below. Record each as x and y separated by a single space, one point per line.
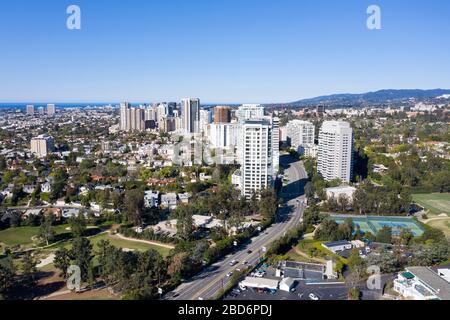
223 135
257 170
205 120
42 145
41 110
275 122
191 115
222 114
30 110
131 119
300 134
51 109
250 111
124 106
334 158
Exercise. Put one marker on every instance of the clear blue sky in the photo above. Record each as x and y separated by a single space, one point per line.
219 50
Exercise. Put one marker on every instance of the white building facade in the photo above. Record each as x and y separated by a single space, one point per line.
334 158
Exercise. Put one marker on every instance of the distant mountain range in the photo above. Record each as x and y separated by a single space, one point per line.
372 98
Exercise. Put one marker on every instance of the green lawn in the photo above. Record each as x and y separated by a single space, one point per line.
119 243
436 203
24 235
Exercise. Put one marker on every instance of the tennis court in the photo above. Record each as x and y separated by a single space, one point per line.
373 224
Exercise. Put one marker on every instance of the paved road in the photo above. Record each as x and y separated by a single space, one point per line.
209 282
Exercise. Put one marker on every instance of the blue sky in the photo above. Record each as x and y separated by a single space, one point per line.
226 51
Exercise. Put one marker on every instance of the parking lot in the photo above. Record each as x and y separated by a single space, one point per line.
302 291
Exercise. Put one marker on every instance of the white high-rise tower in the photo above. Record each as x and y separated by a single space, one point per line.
334 160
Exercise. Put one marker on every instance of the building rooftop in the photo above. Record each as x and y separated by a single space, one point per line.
440 286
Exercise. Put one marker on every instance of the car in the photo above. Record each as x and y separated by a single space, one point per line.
244 263
229 274
312 296
249 251
233 263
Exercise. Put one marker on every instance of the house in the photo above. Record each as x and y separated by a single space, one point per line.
205 177
29 189
70 213
46 188
56 212
337 192
8 192
184 197
32 212
338 246
169 201
151 199
422 283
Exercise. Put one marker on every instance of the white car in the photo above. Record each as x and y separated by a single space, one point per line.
229 274
234 262
312 296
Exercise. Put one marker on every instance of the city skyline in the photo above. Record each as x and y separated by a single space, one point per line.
227 52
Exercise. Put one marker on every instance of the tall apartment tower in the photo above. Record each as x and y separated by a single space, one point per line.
222 114
124 120
250 111
42 145
334 159
191 115
300 133
30 110
51 109
257 156
205 120
275 121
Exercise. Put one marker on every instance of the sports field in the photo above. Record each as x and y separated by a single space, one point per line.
373 224
434 203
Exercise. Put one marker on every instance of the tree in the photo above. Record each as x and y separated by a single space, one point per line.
185 223
346 229
46 232
77 225
29 268
406 236
384 235
134 205
62 261
7 275
82 255
328 231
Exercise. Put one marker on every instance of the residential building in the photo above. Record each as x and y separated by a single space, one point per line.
300 134
337 192
256 156
30 110
191 115
334 159
51 109
205 120
422 283
222 114
42 145
250 111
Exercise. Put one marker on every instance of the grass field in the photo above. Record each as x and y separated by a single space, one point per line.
435 203
118 243
24 235
126 244
441 224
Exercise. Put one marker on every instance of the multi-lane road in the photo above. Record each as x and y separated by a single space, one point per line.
208 283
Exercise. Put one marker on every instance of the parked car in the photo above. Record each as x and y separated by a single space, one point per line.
312 296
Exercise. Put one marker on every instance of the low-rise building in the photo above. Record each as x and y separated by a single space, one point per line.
337 192
422 283
338 246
